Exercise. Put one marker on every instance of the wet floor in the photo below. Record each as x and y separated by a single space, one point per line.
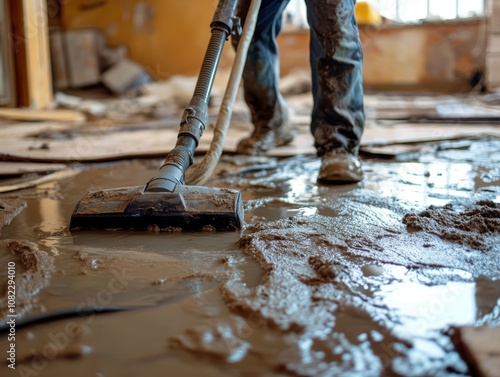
361 280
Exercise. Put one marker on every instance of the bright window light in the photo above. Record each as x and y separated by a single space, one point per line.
444 9
400 10
411 10
470 8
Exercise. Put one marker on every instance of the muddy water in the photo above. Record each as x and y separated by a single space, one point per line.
323 280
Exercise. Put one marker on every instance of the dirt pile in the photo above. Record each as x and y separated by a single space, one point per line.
38 266
10 208
471 227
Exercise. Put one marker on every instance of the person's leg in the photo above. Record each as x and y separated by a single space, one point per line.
336 63
261 78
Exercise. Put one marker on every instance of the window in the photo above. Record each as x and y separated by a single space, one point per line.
409 10
399 10
415 10
470 8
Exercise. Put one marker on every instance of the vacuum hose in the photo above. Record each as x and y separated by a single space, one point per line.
200 174
195 116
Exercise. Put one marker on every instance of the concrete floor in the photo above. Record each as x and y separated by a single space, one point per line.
324 280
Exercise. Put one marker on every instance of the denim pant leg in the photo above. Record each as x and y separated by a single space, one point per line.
261 72
336 59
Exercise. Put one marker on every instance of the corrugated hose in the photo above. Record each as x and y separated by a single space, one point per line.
200 173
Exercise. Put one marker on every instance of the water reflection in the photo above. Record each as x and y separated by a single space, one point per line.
421 308
424 184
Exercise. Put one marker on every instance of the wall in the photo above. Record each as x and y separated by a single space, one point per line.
170 37
493 46
7 74
441 56
167 37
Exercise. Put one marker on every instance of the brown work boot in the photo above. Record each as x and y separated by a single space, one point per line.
271 124
339 166
264 139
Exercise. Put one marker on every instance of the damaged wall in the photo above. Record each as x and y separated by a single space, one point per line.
166 37
170 37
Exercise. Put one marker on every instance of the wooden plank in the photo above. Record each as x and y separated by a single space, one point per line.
8 169
58 175
74 144
38 53
57 115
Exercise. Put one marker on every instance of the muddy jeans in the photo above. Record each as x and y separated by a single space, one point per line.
336 60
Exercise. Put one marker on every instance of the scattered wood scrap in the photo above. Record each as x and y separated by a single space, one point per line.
9 169
59 175
92 144
56 115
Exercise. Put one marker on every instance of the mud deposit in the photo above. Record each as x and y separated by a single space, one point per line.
38 267
9 208
473 227
356 280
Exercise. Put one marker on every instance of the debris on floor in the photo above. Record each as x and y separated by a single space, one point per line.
38 180
112 138
82 58
324 280
361 280
124 76
474 226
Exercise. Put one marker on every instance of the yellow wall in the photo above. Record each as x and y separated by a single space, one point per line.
167 37
170 37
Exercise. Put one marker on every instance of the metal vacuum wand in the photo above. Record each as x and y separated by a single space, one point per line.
195 115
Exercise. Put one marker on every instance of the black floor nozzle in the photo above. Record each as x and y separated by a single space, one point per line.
188 208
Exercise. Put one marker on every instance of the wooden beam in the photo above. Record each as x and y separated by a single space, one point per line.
30 43
7 84
57 115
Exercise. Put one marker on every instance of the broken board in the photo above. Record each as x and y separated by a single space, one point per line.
20 168
21 142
